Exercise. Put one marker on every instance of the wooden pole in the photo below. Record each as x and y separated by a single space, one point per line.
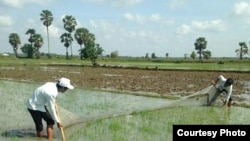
61 128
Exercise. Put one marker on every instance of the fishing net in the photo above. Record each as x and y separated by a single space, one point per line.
16 121
27 127
201 98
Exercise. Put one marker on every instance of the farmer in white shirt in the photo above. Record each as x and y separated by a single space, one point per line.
223 85
46 95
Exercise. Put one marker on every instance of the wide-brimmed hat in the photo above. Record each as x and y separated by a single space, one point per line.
65 82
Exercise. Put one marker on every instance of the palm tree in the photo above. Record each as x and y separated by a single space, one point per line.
47 18
243 49
67 39
69 25
38 43
31 33
82 36
14 40
200 45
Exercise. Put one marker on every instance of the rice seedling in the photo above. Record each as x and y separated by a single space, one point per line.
111 116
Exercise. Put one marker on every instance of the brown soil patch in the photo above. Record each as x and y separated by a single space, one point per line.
161 82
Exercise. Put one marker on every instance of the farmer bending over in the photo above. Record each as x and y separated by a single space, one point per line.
46 95
223 85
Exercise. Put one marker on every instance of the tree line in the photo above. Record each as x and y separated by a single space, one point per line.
89 49
201 44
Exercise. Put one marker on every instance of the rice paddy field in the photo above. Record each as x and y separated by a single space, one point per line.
119 104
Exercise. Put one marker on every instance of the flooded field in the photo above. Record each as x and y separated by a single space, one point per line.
110 104
97 115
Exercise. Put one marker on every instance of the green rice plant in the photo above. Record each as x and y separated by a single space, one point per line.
109 116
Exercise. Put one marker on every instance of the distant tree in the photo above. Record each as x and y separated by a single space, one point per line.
146 56
207 54
31 33
114 54
15 41
67 40
46 17
38 43
70 25
83 36
193 55
93 51
153 55
243 50
200 45
167 55
185 56
27 49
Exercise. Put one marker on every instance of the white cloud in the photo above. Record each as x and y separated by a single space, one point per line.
155 17
183 30
93 24
137 18
119 3
13 3
54 31
5 20
94 1
22 3
242 8
215 25
174 4
116 3
128 16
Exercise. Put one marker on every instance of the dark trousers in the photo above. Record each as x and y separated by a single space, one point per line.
37 117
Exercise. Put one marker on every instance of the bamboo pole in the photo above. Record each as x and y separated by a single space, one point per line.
61 128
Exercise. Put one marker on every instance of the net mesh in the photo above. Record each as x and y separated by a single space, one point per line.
201 98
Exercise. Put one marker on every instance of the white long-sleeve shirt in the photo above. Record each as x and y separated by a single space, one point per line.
44 95
220 86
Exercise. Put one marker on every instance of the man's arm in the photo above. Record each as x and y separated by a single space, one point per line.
214 82
59 124
51 102
228 95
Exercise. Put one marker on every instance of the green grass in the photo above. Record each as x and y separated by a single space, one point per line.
231 64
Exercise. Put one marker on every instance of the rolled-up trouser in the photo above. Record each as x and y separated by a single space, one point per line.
38 116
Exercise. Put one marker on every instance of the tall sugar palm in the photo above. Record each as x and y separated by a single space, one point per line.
83 36
67 39
14 40
38 43
47 18
69 25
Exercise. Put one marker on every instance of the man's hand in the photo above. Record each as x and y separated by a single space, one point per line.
59 125
213 83
225 104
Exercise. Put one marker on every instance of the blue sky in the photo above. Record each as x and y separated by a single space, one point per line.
134 27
